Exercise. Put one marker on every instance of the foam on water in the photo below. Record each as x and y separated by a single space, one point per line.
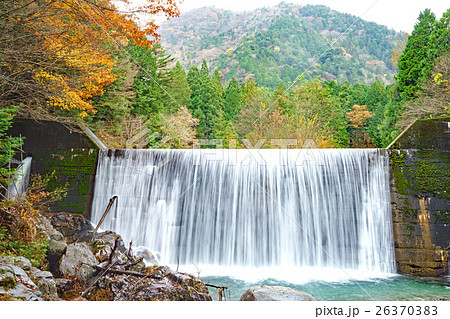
292 214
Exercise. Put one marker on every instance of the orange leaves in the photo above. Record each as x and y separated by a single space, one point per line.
79 37
358 116
397 52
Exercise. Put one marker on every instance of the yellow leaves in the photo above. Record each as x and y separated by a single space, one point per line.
438 78
358 116
76 36
91 71
397 52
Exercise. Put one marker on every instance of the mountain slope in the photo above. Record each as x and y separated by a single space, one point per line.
278 44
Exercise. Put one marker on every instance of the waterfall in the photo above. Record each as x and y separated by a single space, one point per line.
18 188
321 209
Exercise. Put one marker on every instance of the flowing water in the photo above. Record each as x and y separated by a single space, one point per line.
380 289
18 188
294 215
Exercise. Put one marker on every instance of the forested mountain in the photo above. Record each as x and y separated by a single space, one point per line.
277 44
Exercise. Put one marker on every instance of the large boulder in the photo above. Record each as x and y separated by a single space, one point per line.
103 238
19 261
15 283
45 226
55 251
72 226
275 293
44 280
78 261
148 257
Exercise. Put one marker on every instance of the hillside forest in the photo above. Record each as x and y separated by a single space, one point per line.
88 62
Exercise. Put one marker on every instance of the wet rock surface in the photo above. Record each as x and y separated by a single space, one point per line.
275 293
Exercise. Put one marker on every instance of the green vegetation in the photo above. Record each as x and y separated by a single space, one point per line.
20 234
280 80
8 145
336 113
35 251
281 43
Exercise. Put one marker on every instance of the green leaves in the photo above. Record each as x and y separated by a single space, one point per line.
34 251
7 144
429 39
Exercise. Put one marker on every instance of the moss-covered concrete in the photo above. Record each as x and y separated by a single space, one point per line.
420 193
71 155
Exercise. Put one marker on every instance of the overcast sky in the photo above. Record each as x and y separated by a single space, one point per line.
400 15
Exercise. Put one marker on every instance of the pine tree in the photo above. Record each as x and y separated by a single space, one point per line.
179 88
204 71
440 38
216 80
152 81
195 84
232 100
414 64
223 129
206 99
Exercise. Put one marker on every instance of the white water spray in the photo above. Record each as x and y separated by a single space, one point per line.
252 209
18 188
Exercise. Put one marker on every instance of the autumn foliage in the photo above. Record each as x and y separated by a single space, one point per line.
59 52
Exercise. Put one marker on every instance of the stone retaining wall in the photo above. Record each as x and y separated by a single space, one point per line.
70 155
420 196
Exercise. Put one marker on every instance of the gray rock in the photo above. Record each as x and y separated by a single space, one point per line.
15 282
17 272
47 228
275 293
20 261
72 226
56 249
23 292
106 237
149 258
44 280
41 275
78 261
48 287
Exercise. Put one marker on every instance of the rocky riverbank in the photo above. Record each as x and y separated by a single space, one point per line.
85 266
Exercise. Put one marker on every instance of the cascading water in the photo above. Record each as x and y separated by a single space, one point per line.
288 209
18 188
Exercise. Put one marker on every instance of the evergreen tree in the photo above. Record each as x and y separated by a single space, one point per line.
376 100
195 84
223 129
206 99
216 80
179 88
232 100
414 64
440 38
152 80
204 71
